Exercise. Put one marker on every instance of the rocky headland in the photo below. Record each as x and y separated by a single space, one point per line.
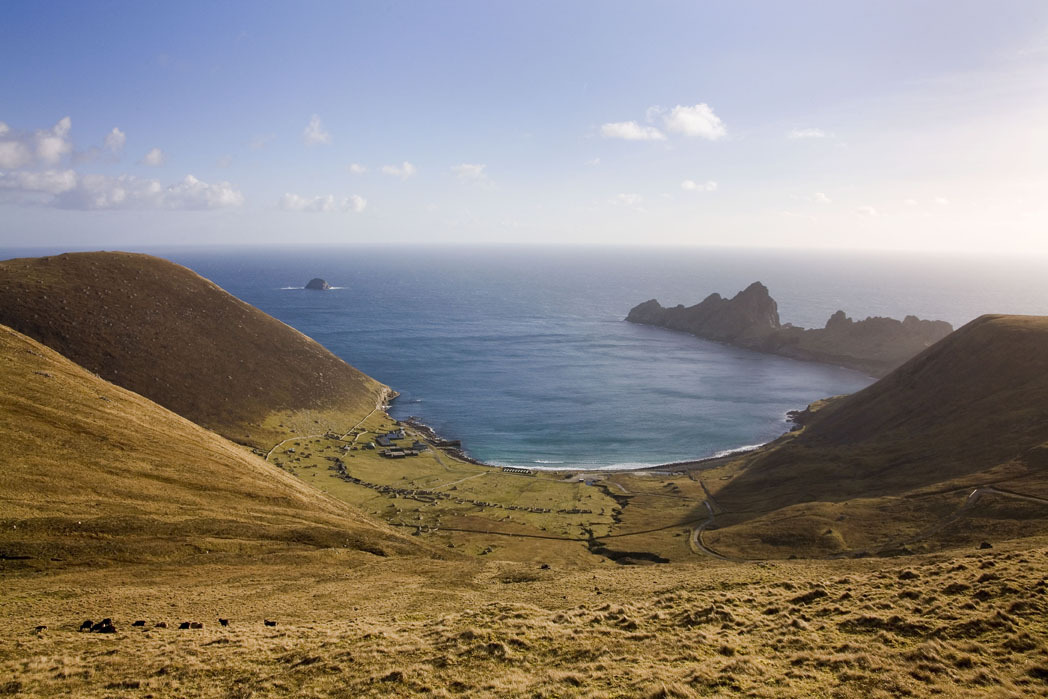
751 320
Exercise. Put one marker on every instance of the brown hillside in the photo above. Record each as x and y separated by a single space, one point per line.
166 333
90 471
974 401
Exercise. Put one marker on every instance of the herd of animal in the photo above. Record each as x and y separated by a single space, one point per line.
107 626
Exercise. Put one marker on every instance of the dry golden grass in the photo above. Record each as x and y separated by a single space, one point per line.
972 623
92 473
166 333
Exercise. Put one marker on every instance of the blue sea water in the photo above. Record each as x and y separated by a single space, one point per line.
524 355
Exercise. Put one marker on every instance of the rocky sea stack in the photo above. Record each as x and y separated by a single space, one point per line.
751 319
318 284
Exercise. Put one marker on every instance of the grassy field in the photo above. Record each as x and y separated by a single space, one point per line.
968 623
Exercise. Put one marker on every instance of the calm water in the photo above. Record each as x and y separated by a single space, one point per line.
523 353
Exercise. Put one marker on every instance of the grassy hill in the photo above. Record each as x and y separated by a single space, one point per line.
969 412
113 506
90 472
162 331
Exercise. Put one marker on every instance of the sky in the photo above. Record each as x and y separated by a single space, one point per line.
879 124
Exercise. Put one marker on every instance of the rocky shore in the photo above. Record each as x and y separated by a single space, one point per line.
751 320
452 447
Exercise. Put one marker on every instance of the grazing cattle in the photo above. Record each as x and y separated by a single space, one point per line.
267 622
104 626
224 622
195 625
140 622
160 625
86 626
183 625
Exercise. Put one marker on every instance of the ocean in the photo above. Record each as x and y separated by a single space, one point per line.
523 353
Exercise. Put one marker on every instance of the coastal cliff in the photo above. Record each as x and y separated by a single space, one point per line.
751 320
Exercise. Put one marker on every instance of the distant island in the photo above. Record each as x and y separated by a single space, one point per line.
318 284
751 320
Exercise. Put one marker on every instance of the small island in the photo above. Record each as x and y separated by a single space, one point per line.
751 320
318 284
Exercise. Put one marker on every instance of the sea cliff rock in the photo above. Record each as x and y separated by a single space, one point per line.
751 319
318 284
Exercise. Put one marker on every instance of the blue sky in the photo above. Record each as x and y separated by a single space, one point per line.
898 125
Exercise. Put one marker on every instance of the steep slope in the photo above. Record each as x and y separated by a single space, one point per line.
971 412
977 399
166 333
750 319
90 471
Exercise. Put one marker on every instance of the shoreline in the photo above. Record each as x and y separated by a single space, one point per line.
454 448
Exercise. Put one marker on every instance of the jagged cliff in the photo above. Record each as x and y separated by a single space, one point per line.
751 319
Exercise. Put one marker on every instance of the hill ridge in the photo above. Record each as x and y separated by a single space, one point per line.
165 332
90 471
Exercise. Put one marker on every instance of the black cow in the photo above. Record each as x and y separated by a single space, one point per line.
86 626
267 622
104 626
183 625
140 622
224 622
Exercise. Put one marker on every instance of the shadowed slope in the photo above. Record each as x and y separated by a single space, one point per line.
90 471
166 333
974 401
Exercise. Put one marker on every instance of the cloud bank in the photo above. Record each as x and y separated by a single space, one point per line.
323 204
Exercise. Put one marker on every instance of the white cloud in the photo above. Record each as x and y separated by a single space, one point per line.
628 199
821 198
403 171
314 133
631 131
909 202
470 172
357 168
129 192
800 134
594 162
698 121
155 157
866 211
692 186
67 190
357 203
51 145
329 203
47 181
941 201
14 154
19 149
115 140
225 161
